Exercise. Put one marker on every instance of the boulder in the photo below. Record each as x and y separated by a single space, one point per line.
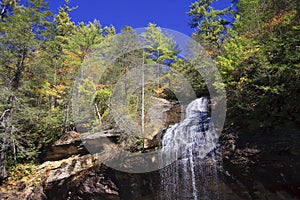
68 145
75 143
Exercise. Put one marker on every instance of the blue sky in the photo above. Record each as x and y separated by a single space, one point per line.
169 14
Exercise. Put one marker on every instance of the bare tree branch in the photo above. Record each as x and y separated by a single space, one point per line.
3 114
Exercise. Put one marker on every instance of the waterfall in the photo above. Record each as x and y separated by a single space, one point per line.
191 144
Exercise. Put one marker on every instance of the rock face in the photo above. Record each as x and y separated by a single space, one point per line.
260 164
71 172
79 144
87 181
156 116
86 178
263 164
174 115
65 147
82 177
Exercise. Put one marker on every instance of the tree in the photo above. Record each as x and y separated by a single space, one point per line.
259 64
102 99
22 32
210 24
6 8
160 48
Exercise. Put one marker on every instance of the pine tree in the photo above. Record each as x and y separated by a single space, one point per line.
161 49
22 32
210 25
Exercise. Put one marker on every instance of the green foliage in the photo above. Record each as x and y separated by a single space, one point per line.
23 31
25 175
189 72
258 57
21 171
102 99
260 64
85 38
40 57
64 26
211 26
160 48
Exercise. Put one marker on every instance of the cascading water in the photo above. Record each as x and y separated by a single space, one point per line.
192 144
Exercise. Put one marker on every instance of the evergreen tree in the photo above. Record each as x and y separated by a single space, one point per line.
22 33
259 64
161 49
210 25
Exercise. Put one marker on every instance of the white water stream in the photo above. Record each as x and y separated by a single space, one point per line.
193 143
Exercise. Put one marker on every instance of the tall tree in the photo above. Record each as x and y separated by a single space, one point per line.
161 49
6 8
22 32
210 25
259 64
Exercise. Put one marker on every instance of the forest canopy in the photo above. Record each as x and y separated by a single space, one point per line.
257 54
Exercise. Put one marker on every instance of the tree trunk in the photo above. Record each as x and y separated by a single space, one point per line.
98 114
7 126
3 146
143 97
18 73
2 165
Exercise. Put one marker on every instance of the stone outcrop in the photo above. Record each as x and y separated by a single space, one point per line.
157 116
70 144
80 178
85 177
257 164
